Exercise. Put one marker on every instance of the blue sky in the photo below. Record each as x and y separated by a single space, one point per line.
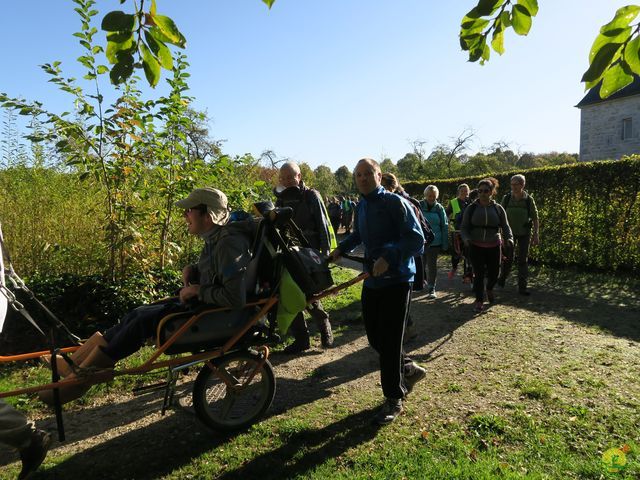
332 81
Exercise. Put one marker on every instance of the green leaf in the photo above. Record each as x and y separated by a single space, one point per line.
603 59
530 5
521 20
169 30
150 65
497 42
118 21
620 35
123 68
487 7
632 55
615 79
102 69
118 42
269 3
505 18
160 50
486 53
623 17
473 23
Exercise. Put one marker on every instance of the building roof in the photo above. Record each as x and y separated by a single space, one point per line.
593 95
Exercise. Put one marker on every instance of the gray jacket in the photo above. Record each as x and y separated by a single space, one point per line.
483 224
220 271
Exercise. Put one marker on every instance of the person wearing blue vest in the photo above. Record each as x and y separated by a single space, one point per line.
434 212
389 229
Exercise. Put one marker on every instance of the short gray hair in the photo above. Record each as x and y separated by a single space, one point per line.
291 166
518 178
432 188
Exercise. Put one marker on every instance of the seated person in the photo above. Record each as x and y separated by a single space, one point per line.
217 279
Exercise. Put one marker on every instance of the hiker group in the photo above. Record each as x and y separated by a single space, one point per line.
402 238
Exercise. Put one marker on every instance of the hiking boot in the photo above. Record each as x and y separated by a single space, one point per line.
33 455
491 298
389 411
298 346
417 374
478 307
326 335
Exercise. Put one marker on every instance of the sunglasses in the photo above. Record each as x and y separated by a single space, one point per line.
199 208
483 190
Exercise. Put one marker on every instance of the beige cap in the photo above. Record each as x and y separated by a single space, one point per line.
214 199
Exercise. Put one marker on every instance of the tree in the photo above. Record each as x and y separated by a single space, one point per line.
388 166
325 181
308 177
410 167
344 179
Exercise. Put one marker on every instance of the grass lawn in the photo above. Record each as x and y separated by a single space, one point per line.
540 388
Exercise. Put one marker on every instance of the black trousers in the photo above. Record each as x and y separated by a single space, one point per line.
136 327
384 311
484 261
521 243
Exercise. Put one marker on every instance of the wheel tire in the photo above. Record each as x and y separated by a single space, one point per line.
225 410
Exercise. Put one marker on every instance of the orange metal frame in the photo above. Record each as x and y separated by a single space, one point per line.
105 375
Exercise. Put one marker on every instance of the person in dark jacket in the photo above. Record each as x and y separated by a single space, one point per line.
17 432
482 224
389 229
308 215
523 216
217 279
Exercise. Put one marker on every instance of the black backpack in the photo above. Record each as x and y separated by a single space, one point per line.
427 231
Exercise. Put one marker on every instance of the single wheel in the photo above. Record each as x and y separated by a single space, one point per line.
237 394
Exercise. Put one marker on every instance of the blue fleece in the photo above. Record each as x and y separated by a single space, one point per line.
387 226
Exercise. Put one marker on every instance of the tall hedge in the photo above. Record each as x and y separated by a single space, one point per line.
589 212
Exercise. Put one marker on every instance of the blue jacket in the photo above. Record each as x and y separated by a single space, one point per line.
437 218
387 226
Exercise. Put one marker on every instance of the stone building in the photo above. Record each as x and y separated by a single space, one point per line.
610 128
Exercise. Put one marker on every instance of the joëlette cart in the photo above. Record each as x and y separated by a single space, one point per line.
236 382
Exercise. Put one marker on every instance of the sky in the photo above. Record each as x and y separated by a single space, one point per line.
333 81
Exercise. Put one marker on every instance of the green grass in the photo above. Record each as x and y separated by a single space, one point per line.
523 411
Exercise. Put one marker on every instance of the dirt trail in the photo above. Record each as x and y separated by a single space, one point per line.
126 437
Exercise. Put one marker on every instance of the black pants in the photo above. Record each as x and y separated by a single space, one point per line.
136 327
384 311
484 261
299 328
521 243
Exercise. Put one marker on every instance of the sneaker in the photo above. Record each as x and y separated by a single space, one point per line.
491 298
33 455
432 294
389 411
417 374
478 307
298 346
451 274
